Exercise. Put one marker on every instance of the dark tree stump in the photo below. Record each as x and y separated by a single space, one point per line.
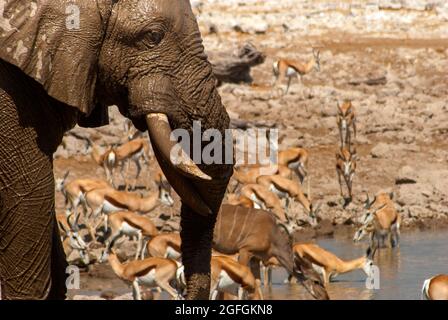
236 68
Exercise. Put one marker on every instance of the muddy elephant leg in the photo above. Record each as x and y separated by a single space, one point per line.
32 262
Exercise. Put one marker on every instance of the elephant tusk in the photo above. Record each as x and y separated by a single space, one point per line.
160 132
184 187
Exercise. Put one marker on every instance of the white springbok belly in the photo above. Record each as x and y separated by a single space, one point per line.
138 155
258 204
279 193
129 230
111 159
172 253
148 280
344 125
109 207
290 72
294 165
226 284
318 269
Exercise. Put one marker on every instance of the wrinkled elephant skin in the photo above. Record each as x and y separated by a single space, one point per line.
64 62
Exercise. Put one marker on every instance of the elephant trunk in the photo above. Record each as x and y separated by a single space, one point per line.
200 186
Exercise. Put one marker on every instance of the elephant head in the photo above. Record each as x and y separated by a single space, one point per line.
145 56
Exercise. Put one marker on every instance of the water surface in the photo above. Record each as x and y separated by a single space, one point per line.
402 270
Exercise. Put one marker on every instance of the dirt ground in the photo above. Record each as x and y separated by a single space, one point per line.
402 125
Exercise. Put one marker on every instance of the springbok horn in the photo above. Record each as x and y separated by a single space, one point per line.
367 202
160 132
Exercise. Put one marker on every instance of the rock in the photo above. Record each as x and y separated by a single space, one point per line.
406 175
171 225
251 26
381 150
164 216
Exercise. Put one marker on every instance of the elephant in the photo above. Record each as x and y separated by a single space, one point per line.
64 63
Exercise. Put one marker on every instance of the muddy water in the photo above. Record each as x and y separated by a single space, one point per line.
402 270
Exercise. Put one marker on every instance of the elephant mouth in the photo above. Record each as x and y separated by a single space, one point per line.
178 167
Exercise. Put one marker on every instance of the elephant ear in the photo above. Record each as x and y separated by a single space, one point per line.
57 43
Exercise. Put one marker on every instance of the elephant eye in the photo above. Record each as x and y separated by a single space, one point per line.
155 36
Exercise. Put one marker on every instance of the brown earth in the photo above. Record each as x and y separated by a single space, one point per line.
402 125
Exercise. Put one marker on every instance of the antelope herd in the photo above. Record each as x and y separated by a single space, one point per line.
255 226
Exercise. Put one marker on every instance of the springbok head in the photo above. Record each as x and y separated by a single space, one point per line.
165 192
345 109
368 226
348 161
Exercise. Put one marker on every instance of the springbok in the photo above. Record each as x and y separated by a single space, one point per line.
109 200
75 190
72 240
295 159
165 245
329 265
435 288
286 189
255 235
286 68
265 199
131 224
227 275
133 150
345 168
381 221
346 119
151 272
249 175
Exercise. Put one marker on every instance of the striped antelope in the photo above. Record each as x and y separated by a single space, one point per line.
295 159
131 224
345 168
435 288
346 121
286 189
266 267
381 221
255 236
329 265
229 276
150 272
287 68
